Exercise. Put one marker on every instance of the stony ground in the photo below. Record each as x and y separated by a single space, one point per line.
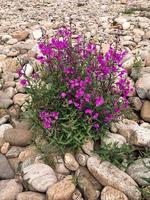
23 175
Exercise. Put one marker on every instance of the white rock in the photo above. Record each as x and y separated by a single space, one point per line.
70 162
126 25
37 34
88 147
114 139
109 193
28 70
39 176
139 170
4 127
108 174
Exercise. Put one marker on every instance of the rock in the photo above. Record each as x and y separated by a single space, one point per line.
14 152
88 147
37 34
108 174
135 103
5 103
121 20
30 196
143 85
140 137
28 70
10 190
39 176
147 35
29 152
87 184
62 190
126 128
14 111
114 139
126 25
70 162
10 65
139 170
25 124
128 62
10 92
4 119
20 35
12 41
77 195
60 166
81 158
109 193
3 128
5 170
14 164
5 148
2 141
145 111
18 137
20 99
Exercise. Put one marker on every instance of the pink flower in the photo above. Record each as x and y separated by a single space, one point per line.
88 111
99 101
63 94
96 115
24 82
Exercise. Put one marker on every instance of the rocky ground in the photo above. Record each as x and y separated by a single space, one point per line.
23 175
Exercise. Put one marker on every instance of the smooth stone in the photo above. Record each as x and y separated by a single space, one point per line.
3 128
29 152
31 196
28 70
88 147
20 35
18 137
143 85
37 34
14 152
87 184
70 162
5 148
108 174
62 190
81 158
145 111
20 99
109 193
5 103
60 166
39 176
114 139
25 124
10 189
126 25
5 170
136 103
140 137
4 119
139 170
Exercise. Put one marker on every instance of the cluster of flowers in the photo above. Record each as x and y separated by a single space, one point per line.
94 84
48 118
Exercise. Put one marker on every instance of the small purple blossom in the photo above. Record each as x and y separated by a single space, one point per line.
99 101
88 111
24 82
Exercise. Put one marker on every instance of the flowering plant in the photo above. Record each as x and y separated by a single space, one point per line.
77 91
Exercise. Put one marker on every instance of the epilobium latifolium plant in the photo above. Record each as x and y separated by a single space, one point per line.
77 91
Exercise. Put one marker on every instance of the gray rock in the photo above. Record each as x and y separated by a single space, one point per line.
13 152
139 170
5 170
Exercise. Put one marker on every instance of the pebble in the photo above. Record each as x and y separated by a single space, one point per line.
10 189
62 190
39 176
13 152
5 148
30 196
70 162
88 147
5 170
145 111
109 193
108 174
18 137
20 99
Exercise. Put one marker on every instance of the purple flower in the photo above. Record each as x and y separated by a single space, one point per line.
63 95
88 111
96 126
54 115
99 101
24 82
95 116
